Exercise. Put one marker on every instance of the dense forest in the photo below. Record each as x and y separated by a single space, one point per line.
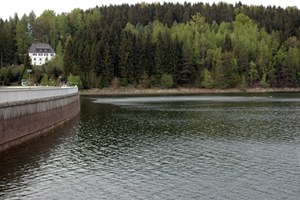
159 45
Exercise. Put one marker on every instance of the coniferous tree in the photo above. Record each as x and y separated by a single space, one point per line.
68 57
186 68
107 74
27 62
237 44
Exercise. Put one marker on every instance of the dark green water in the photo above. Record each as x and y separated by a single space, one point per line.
176 147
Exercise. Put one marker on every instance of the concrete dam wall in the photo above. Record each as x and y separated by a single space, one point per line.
28 112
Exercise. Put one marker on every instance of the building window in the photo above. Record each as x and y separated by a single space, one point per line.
34 59
40 59
45 54
52 54
34 54
34 63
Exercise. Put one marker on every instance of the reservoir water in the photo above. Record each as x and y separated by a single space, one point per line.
164 147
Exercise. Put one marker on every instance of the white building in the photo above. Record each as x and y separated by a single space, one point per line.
40 53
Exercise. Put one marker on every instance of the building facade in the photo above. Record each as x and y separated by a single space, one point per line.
40 53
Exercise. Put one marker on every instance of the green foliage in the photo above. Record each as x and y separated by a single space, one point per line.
44 28
59 49
54 67
253 73
263 82
243 83
68 57
11 75
198 21
242 21
45 81
107 67
115 83
231 77
5 76
166 81
144 81
6 81
207 80
74 81
27 61
23 36
229 45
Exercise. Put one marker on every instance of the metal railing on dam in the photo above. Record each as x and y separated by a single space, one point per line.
26 112
17 94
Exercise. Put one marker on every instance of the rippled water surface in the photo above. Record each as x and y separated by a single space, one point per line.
171 147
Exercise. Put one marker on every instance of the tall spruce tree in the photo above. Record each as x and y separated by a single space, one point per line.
68 57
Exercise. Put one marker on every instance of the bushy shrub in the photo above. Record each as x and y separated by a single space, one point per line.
115 83
74 81
166 81
144 82
207 80
45 81
263 82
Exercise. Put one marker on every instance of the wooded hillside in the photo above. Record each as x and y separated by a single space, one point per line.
169 45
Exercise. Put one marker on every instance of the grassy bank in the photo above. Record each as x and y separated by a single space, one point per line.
153 91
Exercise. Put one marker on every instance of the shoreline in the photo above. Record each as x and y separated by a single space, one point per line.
160 91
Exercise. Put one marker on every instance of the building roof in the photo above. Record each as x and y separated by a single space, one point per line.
40 48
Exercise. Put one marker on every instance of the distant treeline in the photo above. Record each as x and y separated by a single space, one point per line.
153 45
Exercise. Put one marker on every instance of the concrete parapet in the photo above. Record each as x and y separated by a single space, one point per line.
17 94
22 120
